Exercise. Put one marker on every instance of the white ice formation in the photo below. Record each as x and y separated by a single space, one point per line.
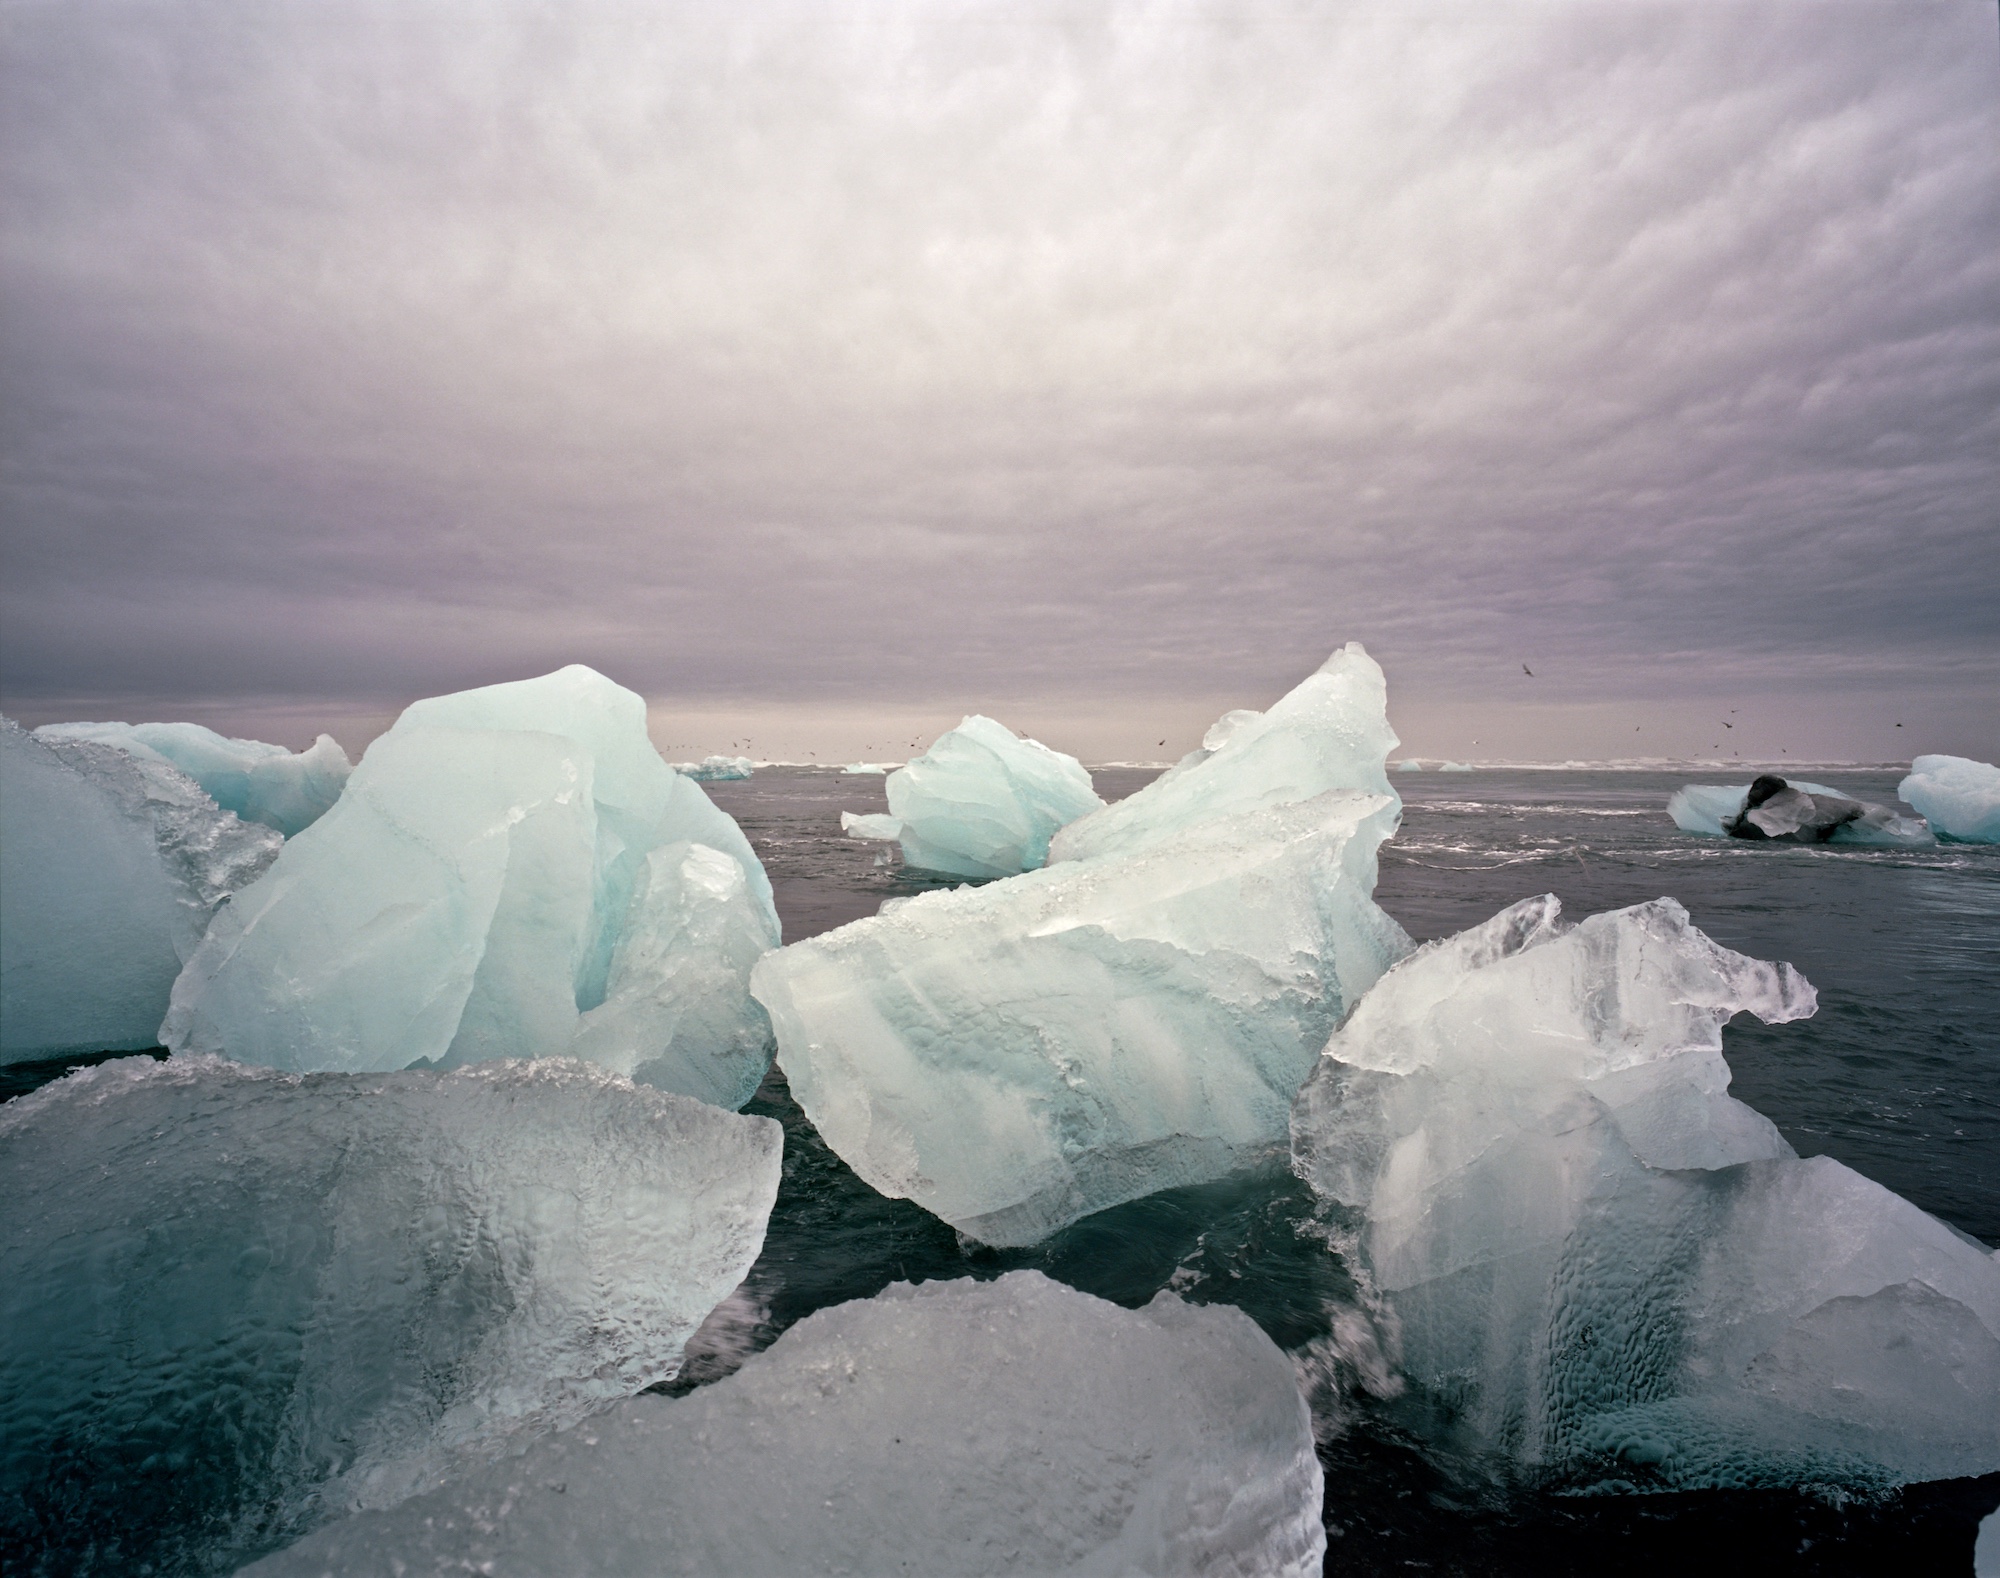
111 866
263 783
1604 1265
1409 765
1453 767
238 1302
717 769
1959 797
1801 813
511 872
1137 1015
981 802
948 1429
873 769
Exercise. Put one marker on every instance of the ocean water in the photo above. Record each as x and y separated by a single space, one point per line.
1898 1076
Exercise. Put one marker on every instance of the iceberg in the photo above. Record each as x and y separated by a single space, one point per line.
874 769
1410 766
1453 767
1773 808
261 783
1598 1262
954 1428
111 866
717 769
1329 732
981 802
1959 797
239 1302
506 875
1016 1056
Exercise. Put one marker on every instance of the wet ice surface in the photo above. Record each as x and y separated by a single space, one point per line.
1898 1076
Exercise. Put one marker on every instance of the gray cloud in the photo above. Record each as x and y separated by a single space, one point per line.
915 353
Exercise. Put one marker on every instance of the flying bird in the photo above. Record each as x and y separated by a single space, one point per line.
1527 671
1727 724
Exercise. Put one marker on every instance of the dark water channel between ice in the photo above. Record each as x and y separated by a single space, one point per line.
1898 1076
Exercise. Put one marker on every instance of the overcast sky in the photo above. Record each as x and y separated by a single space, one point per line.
824 371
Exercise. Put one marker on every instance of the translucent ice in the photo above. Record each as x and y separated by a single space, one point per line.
717 769
1014 1426
981 802
1601 1263
1793 812
238 1302
1016 1056
110 867
259 782
871 768
512 872
1330 732
1957 796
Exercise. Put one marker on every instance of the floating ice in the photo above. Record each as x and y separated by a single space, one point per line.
874 768
954 1428
1607 1267
1329 732
717 769
1410 766
1453 767
505 876
1958 796
111 865
1794 812
981 802
259 782
1016 1056
238 1302
1986 1547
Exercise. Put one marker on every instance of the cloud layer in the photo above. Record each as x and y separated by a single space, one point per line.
1075 356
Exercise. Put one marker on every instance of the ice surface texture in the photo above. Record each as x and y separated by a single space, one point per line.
717 769
981 802
238 1301
512 872
1603 1264
1016 1056
1330 732
1706 808
110 868
1957 796
260 783
1015 1426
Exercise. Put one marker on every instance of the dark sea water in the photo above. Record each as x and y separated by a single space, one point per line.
1898 1076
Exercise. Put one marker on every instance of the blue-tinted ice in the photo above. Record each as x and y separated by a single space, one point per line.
1014 1426
1959 797
281 789
1603 1265
237 1302
506 875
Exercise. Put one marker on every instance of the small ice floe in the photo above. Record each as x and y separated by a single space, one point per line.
1600 1263
112 864
1959 797
717 769
1773 808
981 802
511 872
281 789
1133 1017
1013 1426
239 1302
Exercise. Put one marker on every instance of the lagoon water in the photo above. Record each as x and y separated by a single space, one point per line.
1898 1076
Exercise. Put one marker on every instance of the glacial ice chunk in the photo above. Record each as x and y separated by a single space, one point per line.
981 802
1602 1264
873 769
1796 812
951 1428
239 1302
1016 1056
1986 1547
717 769
259 782
111 866
1959 797
506 875
1329 732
